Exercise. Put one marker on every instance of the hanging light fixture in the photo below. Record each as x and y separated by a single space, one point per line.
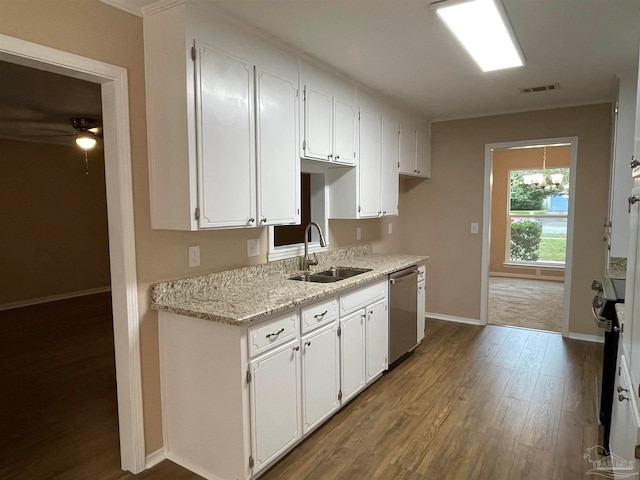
86 140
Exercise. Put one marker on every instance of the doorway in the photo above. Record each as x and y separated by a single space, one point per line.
528 233
118 179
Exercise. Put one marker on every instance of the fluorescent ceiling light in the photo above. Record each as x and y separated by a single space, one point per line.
484 31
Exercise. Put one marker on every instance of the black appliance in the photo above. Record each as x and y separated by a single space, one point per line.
608 292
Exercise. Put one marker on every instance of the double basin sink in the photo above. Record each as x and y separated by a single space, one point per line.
334 274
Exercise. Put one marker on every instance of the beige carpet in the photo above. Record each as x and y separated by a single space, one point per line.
526 303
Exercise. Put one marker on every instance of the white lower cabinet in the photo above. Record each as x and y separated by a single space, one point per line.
625 422
320 376
422 299
237 398
352 352
377 339
275 405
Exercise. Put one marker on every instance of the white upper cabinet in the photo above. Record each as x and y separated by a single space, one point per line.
370 164
329 120
389 177
415 149
277 149
225 139
222 118
371 189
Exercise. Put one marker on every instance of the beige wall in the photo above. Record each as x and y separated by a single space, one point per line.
95 30
517 159
436 214
54 237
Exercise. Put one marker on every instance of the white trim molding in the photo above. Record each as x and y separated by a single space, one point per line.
526 276
586 338
453 318
53 298
486 220
122 253
155 458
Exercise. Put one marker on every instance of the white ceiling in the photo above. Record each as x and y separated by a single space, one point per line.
400 48
397 47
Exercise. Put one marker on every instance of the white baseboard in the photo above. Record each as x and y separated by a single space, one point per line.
586 338
452 318
527 276
53 298
155 458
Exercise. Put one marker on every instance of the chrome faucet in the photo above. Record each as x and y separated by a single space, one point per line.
306 261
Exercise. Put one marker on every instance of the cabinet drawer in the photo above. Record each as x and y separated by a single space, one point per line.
271 334
352 301
318 314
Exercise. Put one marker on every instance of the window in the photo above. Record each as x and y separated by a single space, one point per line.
287 241
537 217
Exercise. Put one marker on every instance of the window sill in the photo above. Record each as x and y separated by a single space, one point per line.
549 265
291 251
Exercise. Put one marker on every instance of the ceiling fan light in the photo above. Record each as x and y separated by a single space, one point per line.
86 141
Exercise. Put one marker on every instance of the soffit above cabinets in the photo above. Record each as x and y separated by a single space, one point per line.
400 48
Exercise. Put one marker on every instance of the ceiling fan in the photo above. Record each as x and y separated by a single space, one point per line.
88 132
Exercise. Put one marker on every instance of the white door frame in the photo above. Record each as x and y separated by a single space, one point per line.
117 149
486 221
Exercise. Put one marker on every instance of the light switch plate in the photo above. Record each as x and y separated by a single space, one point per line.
474 228
253 247
194 256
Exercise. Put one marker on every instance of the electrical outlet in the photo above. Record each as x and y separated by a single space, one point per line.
474 228
390 228
253 247
358 233
194 256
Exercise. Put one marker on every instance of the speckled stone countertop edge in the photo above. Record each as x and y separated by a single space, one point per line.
299 293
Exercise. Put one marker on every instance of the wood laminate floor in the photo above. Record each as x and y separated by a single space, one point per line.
470 403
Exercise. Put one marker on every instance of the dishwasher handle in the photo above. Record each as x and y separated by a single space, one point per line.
403 278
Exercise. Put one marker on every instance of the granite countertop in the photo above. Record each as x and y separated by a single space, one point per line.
251 294
620 312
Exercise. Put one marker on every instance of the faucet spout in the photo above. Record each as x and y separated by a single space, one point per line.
306 261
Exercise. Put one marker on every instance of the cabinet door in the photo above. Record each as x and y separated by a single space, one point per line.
421 309
320 376
377 339
317 124
407 149
277 150
345 123
423 154
352 355
275 403
632 300
225 139
624 420
389 180
370 164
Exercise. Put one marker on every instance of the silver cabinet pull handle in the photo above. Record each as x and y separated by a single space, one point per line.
634 163
329 157
275 334
296 349
251 220
263 220
620 389
337 157
622 398
307 343
633 199
320 315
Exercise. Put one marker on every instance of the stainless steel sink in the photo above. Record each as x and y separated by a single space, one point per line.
343 272
334 274
315 278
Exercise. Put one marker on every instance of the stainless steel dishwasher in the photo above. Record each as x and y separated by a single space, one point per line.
403 314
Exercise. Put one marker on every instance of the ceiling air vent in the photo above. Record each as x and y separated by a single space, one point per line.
541 88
